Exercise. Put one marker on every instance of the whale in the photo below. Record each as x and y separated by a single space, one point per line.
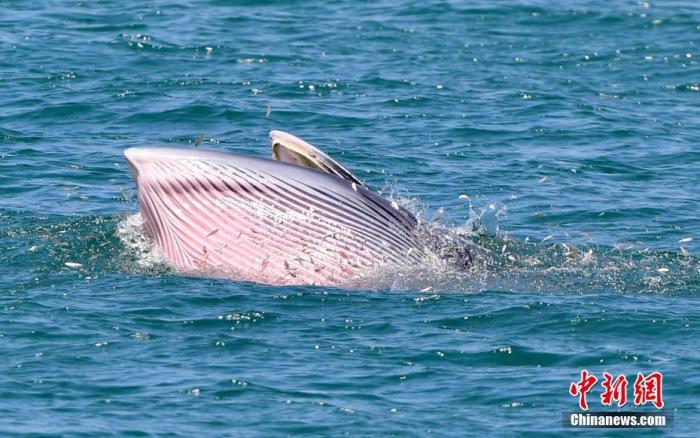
298 218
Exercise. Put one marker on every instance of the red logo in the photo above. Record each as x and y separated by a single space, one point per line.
647 389
614 390
582 387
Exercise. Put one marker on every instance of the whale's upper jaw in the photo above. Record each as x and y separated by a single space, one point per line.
131 161
291 149
263 220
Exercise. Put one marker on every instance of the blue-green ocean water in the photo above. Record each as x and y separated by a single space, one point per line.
573 129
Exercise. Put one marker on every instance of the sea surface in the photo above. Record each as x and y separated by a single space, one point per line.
564 136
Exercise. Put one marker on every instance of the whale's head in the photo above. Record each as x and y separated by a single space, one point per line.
263 220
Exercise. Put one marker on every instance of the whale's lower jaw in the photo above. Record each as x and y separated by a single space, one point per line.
253 219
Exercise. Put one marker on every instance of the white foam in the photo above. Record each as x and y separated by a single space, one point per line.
133 235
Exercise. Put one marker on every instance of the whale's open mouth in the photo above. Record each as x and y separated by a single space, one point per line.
265 220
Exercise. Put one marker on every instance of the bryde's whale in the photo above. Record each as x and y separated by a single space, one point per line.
300 218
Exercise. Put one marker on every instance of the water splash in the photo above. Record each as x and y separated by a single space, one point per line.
501 262
137 245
